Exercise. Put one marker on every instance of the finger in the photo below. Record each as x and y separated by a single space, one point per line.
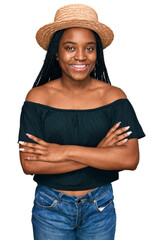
32 150
35 158
38 158
121 142
113 129
121 130
115 139
32 145
122 136
38 140
118 132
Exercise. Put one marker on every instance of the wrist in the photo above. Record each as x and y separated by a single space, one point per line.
67 152
70 152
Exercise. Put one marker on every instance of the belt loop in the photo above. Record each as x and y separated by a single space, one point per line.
90 197
60 195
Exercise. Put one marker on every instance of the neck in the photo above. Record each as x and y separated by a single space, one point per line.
76 86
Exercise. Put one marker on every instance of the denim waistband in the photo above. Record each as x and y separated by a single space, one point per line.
90 196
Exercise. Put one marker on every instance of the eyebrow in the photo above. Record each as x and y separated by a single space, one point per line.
76 43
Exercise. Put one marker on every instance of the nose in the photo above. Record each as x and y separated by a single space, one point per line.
80 55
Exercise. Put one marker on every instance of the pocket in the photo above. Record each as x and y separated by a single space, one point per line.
105 200
100 207
44 199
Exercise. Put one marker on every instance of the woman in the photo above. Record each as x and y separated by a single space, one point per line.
74 133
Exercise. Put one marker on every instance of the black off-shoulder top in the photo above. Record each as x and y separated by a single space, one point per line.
86 127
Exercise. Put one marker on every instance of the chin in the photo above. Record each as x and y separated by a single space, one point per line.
80 77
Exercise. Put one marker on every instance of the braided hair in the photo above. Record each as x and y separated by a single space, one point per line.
51 69
100 72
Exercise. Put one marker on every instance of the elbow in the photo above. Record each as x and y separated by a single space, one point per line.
133 166
133 162
131 157
27 168
27 171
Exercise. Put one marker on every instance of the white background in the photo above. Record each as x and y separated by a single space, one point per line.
134 63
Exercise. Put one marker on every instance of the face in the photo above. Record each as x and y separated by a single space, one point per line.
77 53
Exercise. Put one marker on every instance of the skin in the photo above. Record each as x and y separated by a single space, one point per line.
77 90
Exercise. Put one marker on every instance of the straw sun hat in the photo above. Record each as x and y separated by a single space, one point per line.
74 15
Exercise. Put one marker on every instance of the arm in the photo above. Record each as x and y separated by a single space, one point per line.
109 158
42 167
121 157
49 159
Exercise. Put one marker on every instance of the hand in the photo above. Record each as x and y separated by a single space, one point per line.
43 151
113 138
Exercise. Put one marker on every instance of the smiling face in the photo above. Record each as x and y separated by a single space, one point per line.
77 54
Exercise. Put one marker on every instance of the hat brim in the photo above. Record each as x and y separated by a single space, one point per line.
45 33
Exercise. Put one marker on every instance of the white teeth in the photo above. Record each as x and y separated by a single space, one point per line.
79 66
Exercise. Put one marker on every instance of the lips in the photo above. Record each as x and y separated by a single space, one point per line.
79 67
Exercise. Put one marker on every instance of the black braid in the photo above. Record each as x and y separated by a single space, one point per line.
51 69
100 72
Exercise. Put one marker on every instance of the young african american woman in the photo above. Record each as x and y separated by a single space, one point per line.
77 132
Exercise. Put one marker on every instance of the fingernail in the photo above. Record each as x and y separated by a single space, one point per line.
128 133
29 135
27 158
21 142
125 140
21 149
127 127
118 123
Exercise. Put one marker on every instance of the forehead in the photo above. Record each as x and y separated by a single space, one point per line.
78 34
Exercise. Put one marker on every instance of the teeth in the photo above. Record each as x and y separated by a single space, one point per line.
79 66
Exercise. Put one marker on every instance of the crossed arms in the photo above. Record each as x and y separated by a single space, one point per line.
114 152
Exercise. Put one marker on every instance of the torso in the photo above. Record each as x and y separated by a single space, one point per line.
98 94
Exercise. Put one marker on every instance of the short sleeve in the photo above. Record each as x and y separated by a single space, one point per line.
124 112
30 122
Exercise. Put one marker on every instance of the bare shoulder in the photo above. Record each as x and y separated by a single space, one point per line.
113 93
45 93
37 94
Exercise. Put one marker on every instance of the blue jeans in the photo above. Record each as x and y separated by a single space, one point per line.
58 216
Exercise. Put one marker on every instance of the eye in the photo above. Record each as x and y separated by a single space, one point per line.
69 48
90 48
